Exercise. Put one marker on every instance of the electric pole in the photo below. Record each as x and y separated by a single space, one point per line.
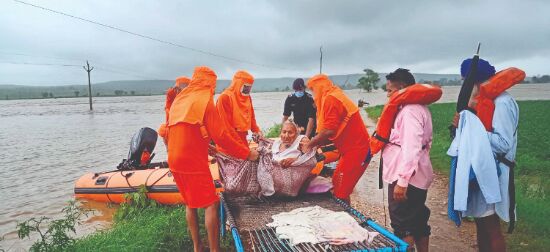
321 60
89 69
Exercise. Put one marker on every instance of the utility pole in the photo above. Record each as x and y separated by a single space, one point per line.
89 69
321 60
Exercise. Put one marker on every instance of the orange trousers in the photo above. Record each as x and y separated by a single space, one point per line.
349 170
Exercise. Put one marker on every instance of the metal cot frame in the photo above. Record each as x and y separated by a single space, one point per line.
267 234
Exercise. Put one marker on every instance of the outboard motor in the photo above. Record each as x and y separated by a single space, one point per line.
141 150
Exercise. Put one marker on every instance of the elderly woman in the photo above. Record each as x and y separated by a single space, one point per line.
288 148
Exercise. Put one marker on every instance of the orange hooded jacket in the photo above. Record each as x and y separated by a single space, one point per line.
171 94
236 108
322 88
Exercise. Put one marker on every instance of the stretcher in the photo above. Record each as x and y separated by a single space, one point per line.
246 217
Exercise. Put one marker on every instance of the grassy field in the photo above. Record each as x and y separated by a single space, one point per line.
532 174
143 225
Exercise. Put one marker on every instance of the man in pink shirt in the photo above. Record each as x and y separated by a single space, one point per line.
407 168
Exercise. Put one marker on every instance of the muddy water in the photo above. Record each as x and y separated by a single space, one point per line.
45 145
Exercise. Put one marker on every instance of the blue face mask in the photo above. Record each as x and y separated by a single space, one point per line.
299 94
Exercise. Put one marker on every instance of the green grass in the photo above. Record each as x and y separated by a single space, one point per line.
154 229
143 225
274 131
532 174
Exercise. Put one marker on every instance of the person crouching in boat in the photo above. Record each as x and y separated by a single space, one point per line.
406 166
235 106
193 121
499 114
171 93
339 122
288 147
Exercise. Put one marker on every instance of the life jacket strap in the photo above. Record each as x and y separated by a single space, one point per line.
380 138
511 190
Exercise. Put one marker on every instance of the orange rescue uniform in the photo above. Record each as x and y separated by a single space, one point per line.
193 122
236 109
171 94
335 111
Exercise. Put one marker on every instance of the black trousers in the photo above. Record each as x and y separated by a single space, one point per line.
409 217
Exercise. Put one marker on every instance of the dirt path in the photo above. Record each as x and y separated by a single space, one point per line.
445 235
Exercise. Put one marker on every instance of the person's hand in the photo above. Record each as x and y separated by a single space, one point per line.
285 163
456 118
306 148
399 193
253 155
256 136
212 150
303 142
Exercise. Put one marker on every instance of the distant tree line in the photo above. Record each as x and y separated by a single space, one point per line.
540 79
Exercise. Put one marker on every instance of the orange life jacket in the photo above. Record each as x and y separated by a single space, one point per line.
491 89
415 94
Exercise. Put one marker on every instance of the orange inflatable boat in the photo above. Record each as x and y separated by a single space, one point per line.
111 186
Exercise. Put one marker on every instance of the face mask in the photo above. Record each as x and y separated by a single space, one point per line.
246 90
299 94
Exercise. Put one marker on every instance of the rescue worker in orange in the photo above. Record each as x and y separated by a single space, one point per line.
339 122
193 122
235 107
171 93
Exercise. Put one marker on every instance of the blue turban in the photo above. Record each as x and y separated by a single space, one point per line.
484 70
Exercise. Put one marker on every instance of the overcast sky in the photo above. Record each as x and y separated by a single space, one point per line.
281 38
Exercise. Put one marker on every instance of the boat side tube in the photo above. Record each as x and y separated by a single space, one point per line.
402 245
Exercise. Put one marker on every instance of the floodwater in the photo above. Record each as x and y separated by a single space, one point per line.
45 145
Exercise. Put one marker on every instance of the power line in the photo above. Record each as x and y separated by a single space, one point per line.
112 69
39 64
37 56
152 38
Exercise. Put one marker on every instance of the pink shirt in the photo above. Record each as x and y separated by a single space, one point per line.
407 156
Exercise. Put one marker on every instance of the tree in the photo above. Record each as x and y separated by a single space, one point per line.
44 94
119 92
368 82
133 92
76 93
51 95
287 89
98 94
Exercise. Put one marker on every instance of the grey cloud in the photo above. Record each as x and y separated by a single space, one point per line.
425 36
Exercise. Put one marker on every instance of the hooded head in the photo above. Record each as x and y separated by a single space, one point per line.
320 85
239 94
203 78
484 70
242 83
182 82
190 104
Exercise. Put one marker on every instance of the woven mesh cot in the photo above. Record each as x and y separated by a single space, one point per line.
247 217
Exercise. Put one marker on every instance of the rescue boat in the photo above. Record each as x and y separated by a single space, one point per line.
111 186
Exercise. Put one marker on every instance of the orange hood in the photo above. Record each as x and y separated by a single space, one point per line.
182 80
323 87
241 104
190 104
